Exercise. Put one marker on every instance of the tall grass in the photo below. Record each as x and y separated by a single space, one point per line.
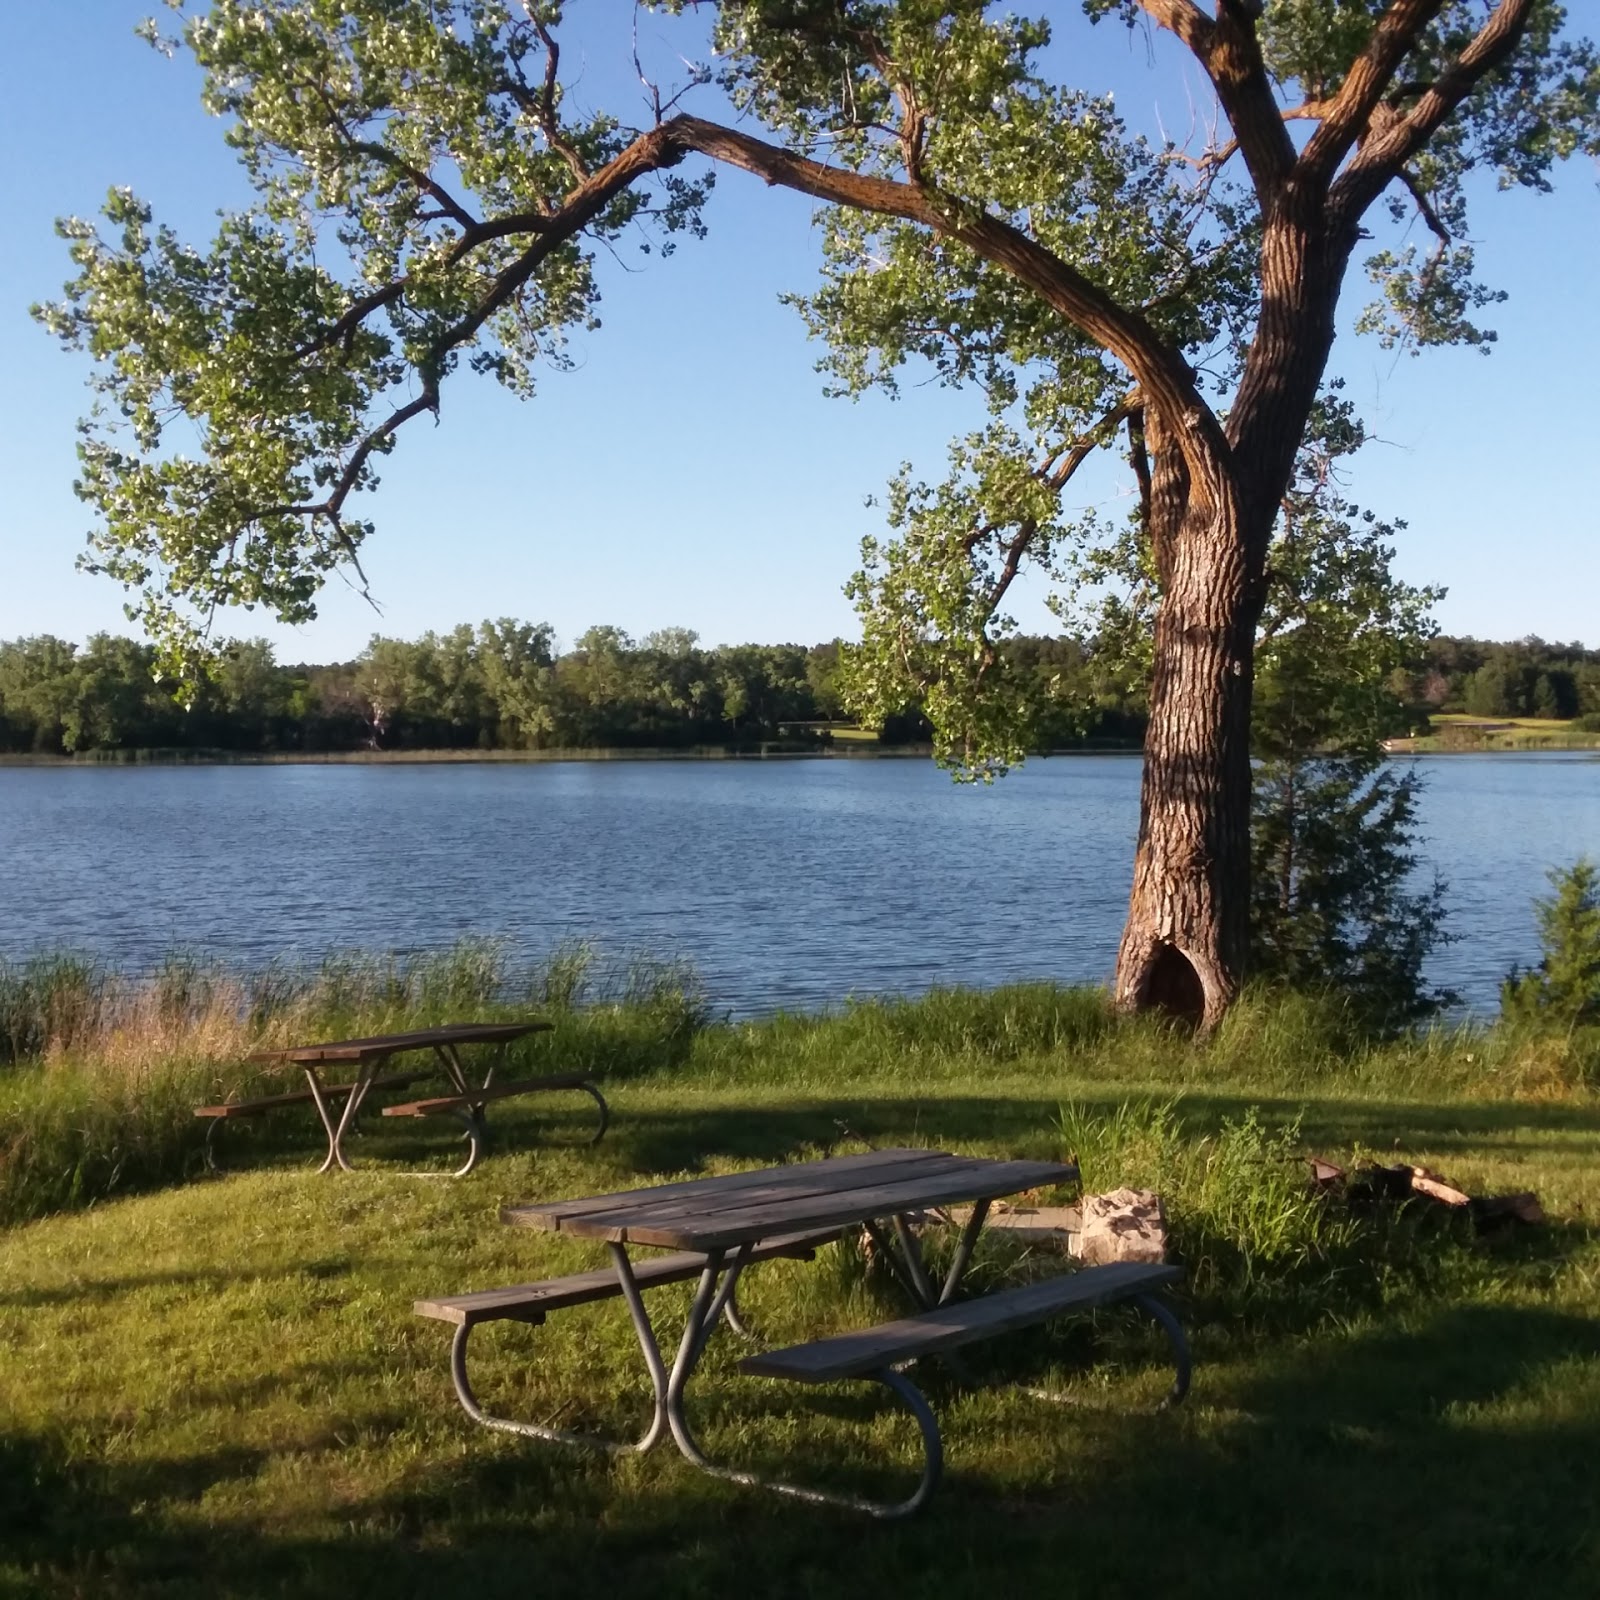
102 1071
50 998
894 1040
1243 1217
99 1072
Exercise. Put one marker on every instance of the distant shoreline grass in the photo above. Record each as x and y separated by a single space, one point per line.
852 749
1457 734
772 751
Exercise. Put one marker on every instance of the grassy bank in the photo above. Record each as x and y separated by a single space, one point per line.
217 1387
1456 734
104 1070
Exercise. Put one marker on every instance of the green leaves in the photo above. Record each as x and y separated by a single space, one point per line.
207 430
1564 989
929 603
412 160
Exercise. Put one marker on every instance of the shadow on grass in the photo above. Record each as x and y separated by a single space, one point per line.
1429 1461
98 1291
652 1138
648 1138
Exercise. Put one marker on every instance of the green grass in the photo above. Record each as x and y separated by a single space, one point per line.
1454 731
217 1386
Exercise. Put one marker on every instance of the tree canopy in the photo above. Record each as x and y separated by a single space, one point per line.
428 196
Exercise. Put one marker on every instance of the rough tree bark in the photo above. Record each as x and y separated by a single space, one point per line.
1186 941
1183 946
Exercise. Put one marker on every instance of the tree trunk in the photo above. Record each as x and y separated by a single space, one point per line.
1184 946
1187 937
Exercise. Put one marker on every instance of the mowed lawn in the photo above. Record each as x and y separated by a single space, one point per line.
220 1388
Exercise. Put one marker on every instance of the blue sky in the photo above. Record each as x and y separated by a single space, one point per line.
690 471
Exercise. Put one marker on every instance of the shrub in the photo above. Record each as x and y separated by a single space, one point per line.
1564 989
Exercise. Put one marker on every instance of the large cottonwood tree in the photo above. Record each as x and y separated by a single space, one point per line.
429 196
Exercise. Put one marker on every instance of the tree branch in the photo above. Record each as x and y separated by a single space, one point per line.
647 153
1347 115
1164 377
545 108
1015 551
1058 468
448 205
384 156
1160 371
1385 153
1227 48
333 504
913 130
1435 225
1139 460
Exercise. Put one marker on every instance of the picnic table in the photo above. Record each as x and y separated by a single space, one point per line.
719 1226
368 1056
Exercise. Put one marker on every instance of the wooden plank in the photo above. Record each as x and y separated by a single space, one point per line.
385 1044
1430 1184
553 1214
776 1183
693 1209
853 1355
797 1173
988 1180
704 1223
720 1225
499 1091
532 1302
244 1108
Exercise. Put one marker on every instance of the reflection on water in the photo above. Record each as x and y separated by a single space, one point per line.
789 883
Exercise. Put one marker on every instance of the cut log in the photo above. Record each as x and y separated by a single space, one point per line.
1493 1211
1435 1188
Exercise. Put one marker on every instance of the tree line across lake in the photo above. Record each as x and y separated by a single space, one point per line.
505 685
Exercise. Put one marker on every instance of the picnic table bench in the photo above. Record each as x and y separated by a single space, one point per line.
720 1226
466 1101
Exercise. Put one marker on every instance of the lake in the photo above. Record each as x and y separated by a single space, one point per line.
788 883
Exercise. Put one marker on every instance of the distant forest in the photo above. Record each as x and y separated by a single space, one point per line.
504 686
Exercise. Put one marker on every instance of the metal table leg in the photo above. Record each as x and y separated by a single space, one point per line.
352 1105
907 1263
539 1430
921 1285
711 1301
964 1248
477 1134
450 1060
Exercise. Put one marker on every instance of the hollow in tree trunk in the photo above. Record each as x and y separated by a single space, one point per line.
1187 934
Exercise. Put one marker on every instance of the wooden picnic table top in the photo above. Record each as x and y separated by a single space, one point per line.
387 1044
742 1208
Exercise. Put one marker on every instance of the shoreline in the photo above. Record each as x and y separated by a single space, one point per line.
380 758
1557 744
